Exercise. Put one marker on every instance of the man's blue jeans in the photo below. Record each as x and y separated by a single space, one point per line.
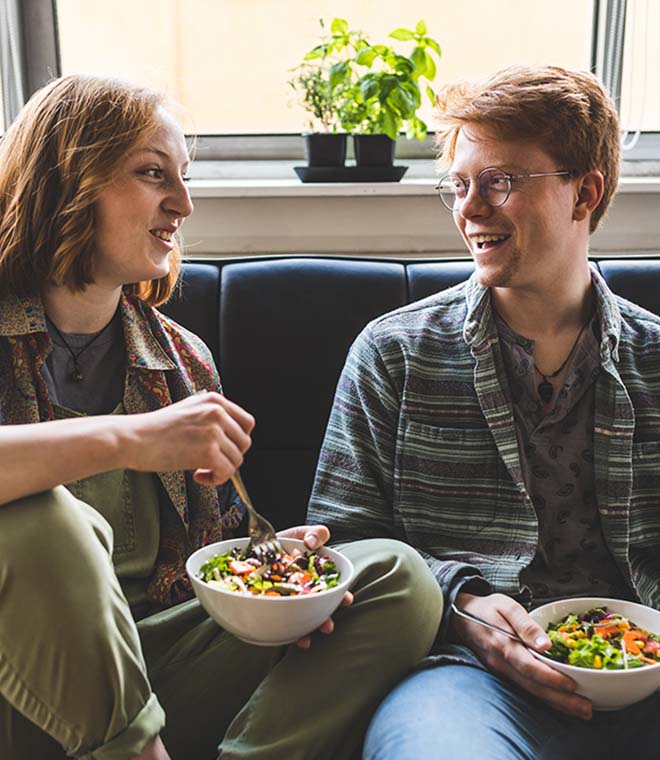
459 712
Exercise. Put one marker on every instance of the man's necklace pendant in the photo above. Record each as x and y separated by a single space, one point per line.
545 390
76 374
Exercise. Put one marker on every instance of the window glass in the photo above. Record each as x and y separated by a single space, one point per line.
640 85
228 61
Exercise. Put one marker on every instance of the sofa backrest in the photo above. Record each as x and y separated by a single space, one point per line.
280 329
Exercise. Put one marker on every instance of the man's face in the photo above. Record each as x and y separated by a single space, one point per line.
532 238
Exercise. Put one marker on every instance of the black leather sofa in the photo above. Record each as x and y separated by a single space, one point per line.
280 328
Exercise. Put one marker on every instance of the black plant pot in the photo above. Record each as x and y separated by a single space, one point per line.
323 149
374 150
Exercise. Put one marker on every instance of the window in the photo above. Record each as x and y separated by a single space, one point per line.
228 61
640 90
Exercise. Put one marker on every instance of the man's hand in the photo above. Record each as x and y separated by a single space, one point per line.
314 537
206 433
510 659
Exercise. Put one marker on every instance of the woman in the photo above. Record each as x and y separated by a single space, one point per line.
103 651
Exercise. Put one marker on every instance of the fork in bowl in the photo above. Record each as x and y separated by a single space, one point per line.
264 540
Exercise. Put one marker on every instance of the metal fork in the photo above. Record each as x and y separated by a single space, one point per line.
476 619
264 540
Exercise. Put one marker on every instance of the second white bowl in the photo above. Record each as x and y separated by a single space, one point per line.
607 689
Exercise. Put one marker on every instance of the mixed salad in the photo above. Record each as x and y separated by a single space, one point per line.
281 574
602 640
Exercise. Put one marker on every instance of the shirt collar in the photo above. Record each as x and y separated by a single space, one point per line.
610 318
24 315
21 315
143 350
480 326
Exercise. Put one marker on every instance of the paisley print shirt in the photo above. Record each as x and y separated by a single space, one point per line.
165 363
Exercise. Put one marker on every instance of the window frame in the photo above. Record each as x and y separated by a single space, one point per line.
41 62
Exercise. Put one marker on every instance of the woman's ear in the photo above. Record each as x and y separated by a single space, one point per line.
588 194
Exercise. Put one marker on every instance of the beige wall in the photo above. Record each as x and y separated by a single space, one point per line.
227 61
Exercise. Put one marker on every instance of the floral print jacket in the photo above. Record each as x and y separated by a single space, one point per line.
165 363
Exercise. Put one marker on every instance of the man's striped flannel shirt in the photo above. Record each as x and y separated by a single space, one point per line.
421 444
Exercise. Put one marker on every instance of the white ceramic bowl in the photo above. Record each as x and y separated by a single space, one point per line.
607 689
267 620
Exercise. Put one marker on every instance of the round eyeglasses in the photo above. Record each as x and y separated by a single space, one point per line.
494 186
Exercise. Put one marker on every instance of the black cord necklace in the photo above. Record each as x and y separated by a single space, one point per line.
76 374
544 388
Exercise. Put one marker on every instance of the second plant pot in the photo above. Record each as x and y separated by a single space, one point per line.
374 150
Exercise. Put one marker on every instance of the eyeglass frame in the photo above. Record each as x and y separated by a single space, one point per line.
507 175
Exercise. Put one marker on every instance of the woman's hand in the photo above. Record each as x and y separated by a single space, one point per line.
314 537
206 433
510 659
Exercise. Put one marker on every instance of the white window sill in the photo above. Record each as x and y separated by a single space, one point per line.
261 207
273 179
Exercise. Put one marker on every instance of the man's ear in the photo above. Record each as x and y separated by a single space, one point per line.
588 194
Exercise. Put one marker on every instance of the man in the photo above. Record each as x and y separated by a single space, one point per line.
498 426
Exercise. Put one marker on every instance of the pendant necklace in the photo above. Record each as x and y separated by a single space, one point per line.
544 388
76 374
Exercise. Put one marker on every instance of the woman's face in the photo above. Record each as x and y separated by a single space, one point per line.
138 214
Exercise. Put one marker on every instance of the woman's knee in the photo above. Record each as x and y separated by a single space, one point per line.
50 543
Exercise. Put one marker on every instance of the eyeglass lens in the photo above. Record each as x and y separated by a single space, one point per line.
494 188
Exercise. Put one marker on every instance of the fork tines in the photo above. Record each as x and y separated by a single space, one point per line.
267 551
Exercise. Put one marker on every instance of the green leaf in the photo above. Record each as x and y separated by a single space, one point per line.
337 74
431 93
418 57
320 51
430 66
369 87
420 129
403 102
402 34
390 123
366 57
403 65
421 27
339 26
413 91
433 45
387 83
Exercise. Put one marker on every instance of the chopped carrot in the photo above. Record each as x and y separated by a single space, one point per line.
629 638
301 578
241 568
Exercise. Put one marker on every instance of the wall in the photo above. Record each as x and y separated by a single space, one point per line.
284 216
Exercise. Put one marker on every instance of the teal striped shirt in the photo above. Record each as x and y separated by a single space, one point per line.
421 443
